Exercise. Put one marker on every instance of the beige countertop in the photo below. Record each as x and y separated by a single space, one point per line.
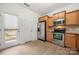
72 33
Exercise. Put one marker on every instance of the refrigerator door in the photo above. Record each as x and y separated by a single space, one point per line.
41 33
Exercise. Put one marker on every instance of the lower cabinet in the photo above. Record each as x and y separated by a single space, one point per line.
70 41
49 37
77 43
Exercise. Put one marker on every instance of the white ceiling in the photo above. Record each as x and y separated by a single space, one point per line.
44 8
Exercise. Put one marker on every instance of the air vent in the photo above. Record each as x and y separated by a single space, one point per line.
26 4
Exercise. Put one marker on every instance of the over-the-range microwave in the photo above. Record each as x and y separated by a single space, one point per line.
59 21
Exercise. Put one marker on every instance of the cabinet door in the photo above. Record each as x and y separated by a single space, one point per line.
55 16
61 15
49 28
48 34
71 18
70 41
50 22
49 37
42 19
77 42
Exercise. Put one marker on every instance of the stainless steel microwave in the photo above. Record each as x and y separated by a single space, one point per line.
59 21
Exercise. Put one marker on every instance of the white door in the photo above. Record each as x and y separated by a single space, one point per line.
9 30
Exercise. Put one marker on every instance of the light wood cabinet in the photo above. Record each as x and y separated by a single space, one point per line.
49 37
50 21
43 18
55 16
49 28
70 40
77 42
72 18
61 15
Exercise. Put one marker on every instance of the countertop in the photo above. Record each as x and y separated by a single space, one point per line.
72 33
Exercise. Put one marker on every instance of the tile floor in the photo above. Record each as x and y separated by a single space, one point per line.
37 48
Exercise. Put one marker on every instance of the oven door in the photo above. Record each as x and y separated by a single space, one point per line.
57 36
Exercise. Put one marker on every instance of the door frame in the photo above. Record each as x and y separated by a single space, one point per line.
45 29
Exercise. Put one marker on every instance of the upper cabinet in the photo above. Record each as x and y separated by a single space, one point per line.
59 15
50 21
55 16
43 18
72 18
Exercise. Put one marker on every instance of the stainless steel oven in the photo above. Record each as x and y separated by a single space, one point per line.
58 37
59 30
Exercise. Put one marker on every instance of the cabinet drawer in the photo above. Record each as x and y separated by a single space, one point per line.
70 35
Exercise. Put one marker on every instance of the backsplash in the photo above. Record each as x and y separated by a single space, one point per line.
73 29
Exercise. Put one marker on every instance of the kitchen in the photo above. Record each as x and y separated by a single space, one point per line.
62 29
41 32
